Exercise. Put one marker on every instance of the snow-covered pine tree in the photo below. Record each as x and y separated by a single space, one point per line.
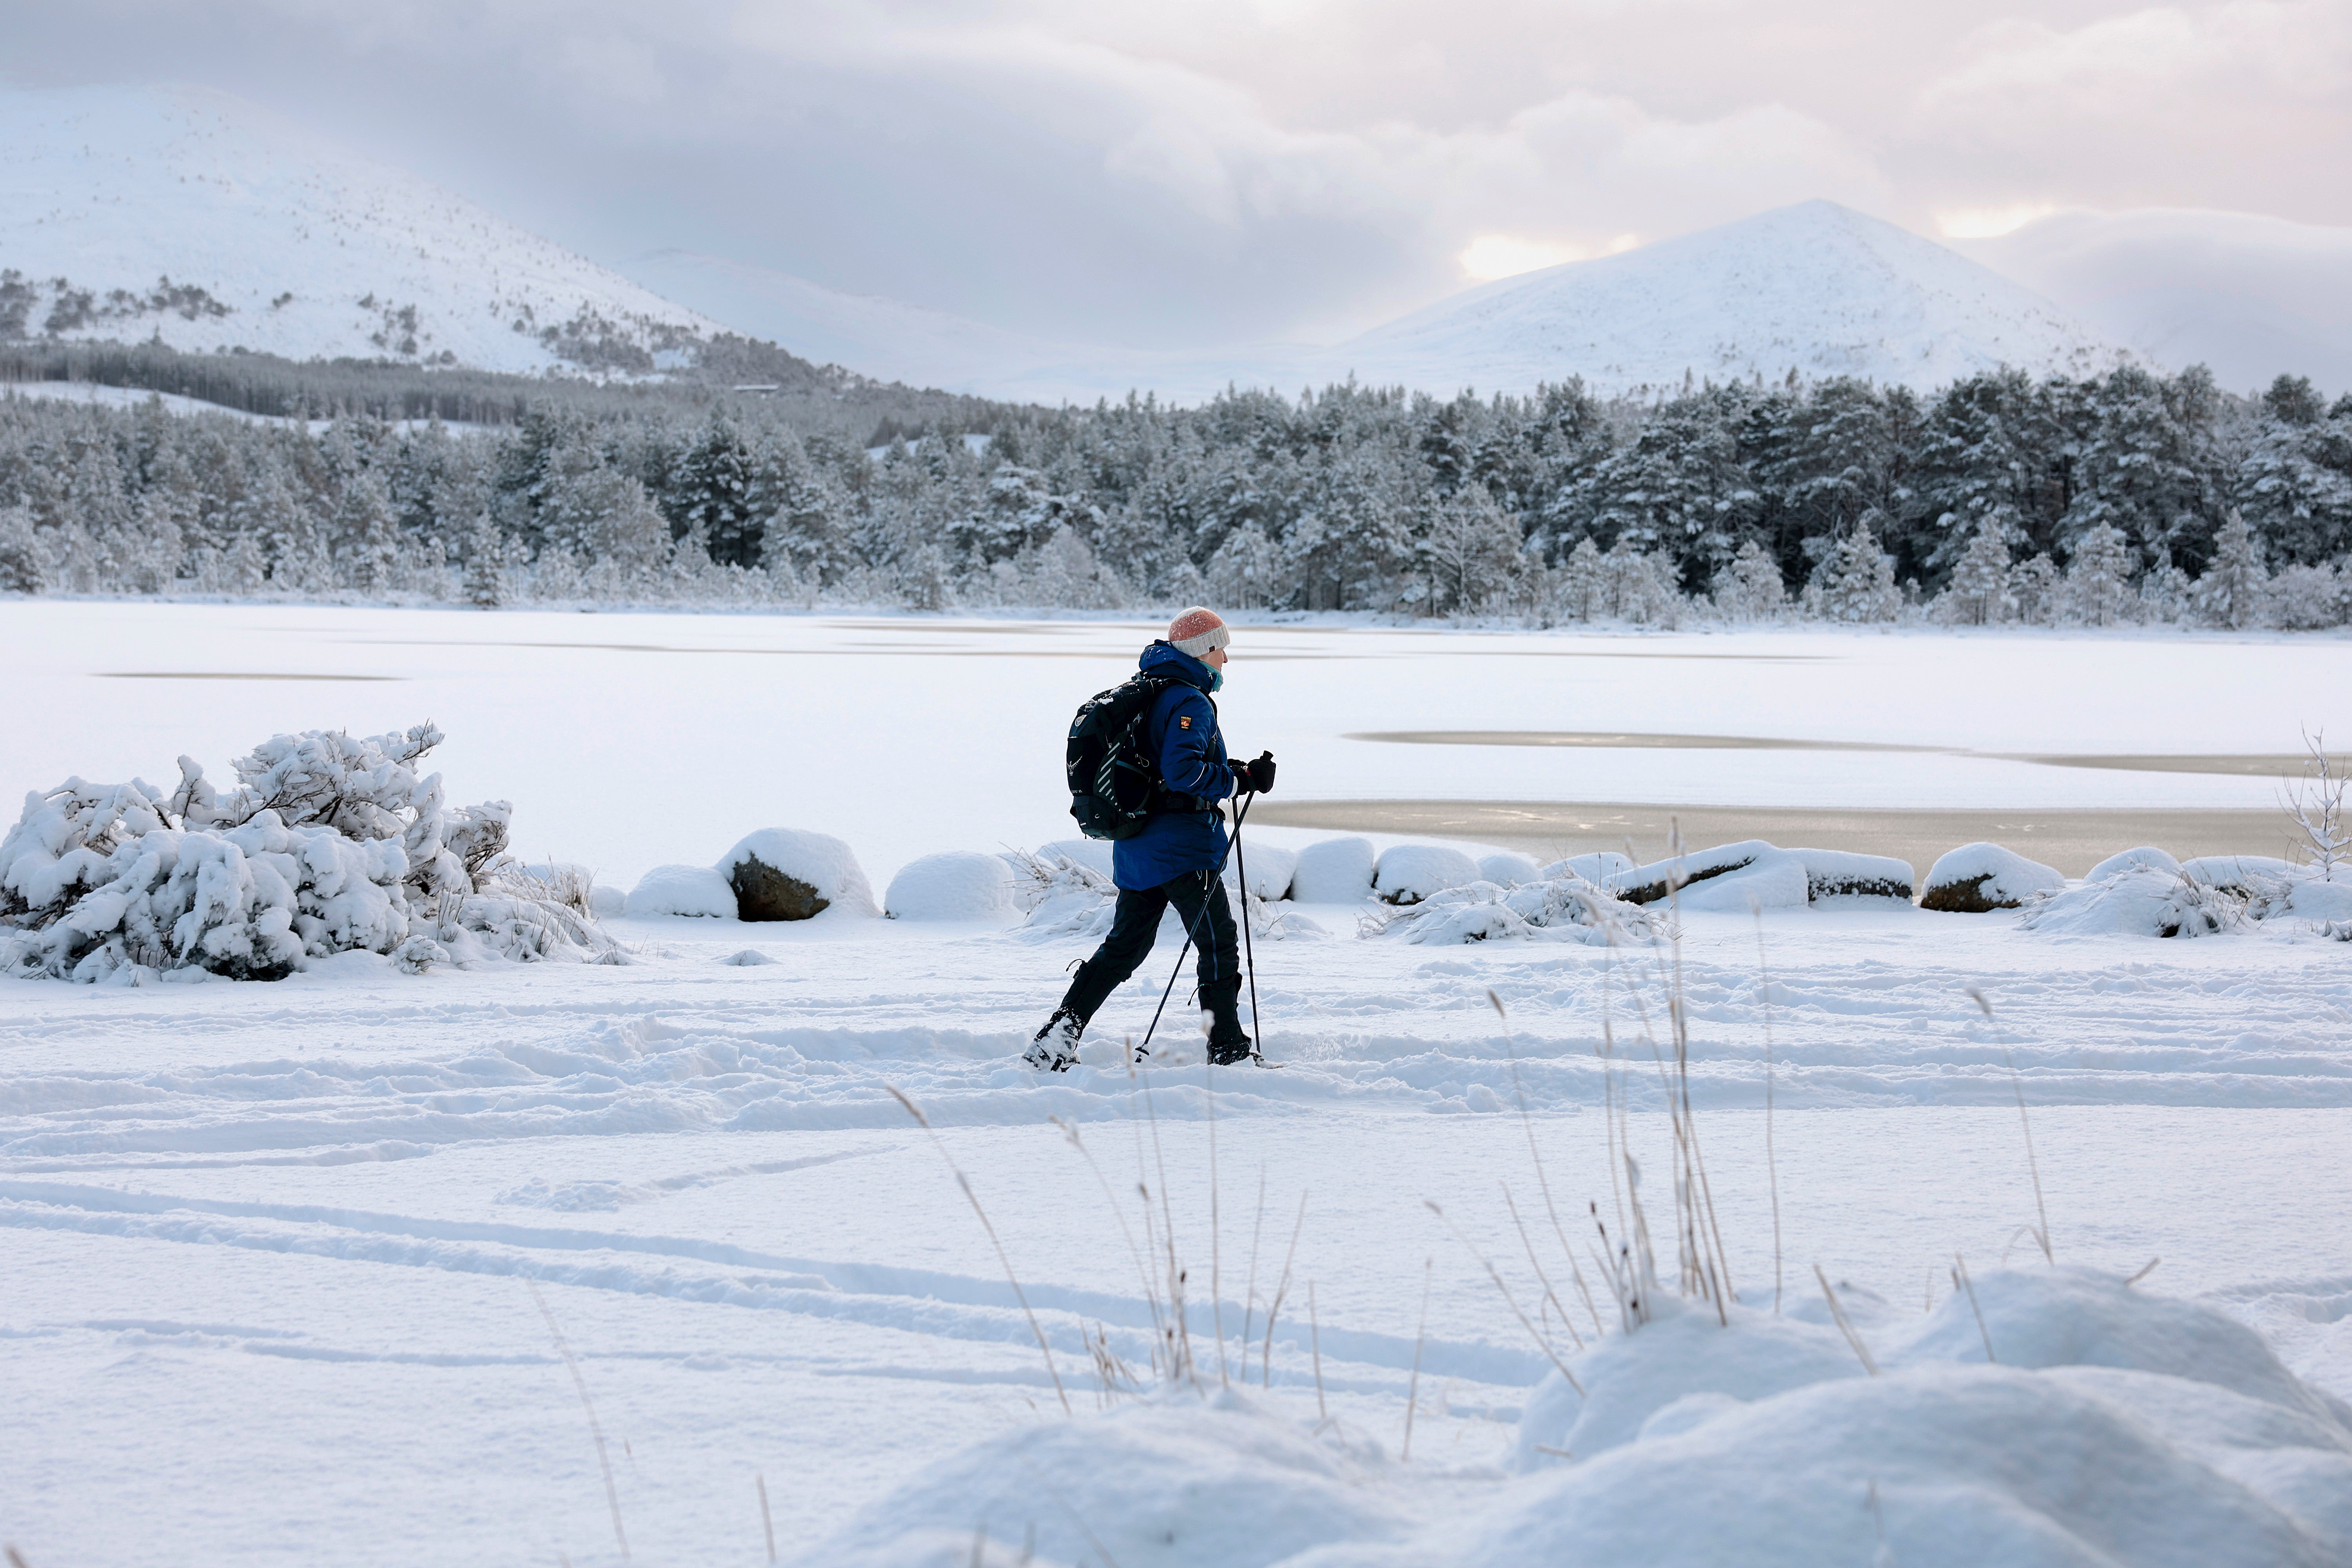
2308 598
484 551
2098 579
2034 584
24 563
1579 587
1857 587
367 538
1469 552
1979 594
1241 573
2230 591
1750 588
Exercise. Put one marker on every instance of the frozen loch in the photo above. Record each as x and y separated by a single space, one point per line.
590 1127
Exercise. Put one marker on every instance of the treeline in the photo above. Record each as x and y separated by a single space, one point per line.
2130 497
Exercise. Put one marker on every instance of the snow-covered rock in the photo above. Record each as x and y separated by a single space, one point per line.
1842 874
695 890
1681 873
1977 878
1507 869
2146 858
956 885
818 862
2139 901
1334 871
1407 873
1270 870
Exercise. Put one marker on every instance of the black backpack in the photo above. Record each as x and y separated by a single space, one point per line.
1114 779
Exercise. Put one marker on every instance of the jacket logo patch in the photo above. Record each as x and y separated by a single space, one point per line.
1183 722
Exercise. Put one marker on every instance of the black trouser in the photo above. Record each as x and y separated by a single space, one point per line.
1202 904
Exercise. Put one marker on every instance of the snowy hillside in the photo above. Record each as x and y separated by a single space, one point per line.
133 213
1815 288
2250 296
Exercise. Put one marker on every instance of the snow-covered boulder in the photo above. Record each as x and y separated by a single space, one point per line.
1683 874
2139 901
1094 853
1977 878
1566 909
1842 874
1270 870
785 874
1596 867
956 884
1407 873
2146 858
1334 871
691 890
1507 869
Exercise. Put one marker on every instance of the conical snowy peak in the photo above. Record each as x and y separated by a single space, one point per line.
193 217
1816 288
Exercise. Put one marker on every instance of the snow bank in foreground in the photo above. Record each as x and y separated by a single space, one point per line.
806 875
2105 1424
959 885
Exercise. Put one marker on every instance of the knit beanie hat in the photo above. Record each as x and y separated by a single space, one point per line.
1196 631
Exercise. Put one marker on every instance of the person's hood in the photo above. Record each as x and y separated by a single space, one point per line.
1166 659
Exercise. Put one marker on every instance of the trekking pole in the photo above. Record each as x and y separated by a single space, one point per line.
1169 989
1249 955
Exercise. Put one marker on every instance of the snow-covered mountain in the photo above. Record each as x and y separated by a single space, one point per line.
1816 288
2250 296
198 219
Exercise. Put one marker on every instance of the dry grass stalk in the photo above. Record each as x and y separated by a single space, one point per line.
1413 1388
1142 1274
767 1523
1772 1155
1543 1183
595 1429
1508 1299
1960 1281
1315 1343
1217 1263
2033 1167
1249 1292
1266 1365
1001 1256
1846 1327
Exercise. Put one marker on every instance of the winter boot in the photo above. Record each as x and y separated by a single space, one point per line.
1056 1047
1221 1020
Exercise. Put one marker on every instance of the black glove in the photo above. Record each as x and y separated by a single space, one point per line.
1241 771
1261 773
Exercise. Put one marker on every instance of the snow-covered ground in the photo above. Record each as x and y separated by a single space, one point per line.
271 1249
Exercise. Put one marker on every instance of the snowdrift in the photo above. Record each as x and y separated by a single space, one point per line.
328 844
2053 1418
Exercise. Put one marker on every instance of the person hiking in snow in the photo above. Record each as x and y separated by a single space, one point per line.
1177 857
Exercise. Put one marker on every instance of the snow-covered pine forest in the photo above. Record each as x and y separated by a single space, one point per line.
2124 498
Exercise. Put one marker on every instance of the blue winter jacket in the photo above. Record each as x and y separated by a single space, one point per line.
1181 732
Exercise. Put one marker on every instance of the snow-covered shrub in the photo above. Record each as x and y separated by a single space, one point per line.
2301 598
2139 901
1565 909
1977 878
803 871
956 885
690 890
1094 853
2244 875
328 844
1407 873
1063 897
2148 856
1334 871
1507 869
1749 587
1270 870
1595 867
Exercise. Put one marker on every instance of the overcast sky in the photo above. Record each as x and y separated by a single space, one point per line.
1191 171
